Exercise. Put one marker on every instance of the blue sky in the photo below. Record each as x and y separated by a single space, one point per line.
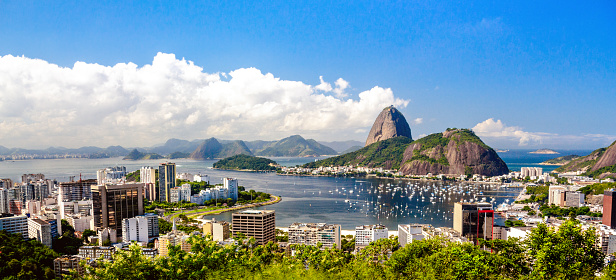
523 74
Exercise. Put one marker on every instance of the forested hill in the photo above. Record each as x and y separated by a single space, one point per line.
246 162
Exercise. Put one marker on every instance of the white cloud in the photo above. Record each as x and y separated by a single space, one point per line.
42 104
418 121
497 133
341 85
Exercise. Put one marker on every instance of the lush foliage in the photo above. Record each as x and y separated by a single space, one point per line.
246 162
151 205
602 170
387 154
596 189
67 244
175 155
567 253
582 162
537 194
195 187
561 160
24 259
165 227
134 176
514 223
555 211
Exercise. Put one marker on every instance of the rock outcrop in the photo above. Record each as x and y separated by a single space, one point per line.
389 124
455 151
607 159
208 149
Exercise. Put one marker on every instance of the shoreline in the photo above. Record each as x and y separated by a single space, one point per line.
392 178
275 199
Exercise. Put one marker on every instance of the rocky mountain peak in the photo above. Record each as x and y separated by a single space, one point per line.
389 124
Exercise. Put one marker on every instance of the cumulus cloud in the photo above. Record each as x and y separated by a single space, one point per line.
418 121
511 136
43 104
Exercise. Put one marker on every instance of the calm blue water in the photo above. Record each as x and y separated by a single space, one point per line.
516 159
316 199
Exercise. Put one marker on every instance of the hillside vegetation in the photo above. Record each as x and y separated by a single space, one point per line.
246 162
387 154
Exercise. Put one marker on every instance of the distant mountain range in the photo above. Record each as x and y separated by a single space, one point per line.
292 146
601 163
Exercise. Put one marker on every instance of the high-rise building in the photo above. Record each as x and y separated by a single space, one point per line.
474 220
166 181
173 239
366 234
219 230
7 183
14 224
231 185
83 207
609 208
40 231
113 203
4 201
409 233
181 193
80 190
147 175
314 233
260 224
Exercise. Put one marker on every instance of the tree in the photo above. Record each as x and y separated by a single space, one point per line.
569 253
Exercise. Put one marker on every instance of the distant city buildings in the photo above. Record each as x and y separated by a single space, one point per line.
260 224
229 189
74 191
111 175
531 172
166 181
315 233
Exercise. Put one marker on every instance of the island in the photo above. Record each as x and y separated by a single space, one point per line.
246 163
544 152
560 160
137 155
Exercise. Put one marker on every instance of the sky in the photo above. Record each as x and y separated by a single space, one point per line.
521 74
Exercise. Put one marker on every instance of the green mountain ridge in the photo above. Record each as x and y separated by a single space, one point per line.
295 146
386 154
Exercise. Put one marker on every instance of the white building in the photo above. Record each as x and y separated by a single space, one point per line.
80 222
219 230
147 174
83 207
40 230
201 178
231 185
140 228
531 172
181 193
228 190
14 224
32 207
111 175
366 234
555 193
409 233
185 177
314 233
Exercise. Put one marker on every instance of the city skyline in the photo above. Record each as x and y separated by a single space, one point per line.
521 75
